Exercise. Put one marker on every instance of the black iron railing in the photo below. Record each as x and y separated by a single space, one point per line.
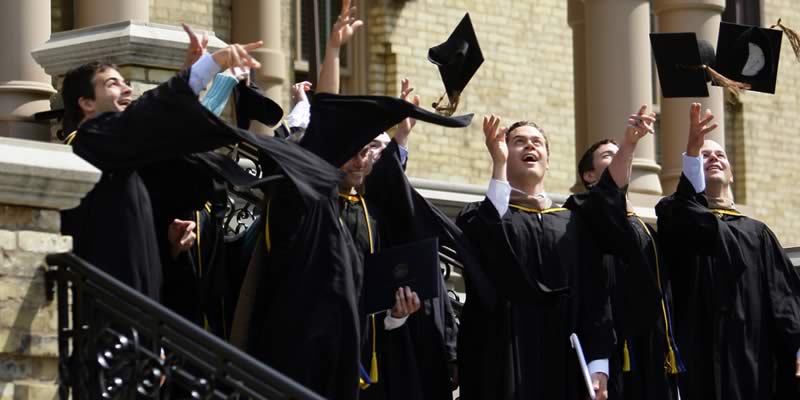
115 343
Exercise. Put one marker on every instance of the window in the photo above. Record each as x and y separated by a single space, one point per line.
746 12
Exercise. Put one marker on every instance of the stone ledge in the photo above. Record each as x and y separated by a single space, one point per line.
43 175
25 218
122 43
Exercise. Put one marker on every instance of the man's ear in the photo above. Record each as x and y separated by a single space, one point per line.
87 105
589 176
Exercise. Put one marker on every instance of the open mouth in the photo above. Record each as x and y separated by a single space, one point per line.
529 158
713 168
124 102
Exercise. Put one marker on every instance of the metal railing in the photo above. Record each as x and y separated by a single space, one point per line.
115 343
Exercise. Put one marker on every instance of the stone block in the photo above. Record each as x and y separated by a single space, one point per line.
39 242
21 342
25 218
20 263
8 240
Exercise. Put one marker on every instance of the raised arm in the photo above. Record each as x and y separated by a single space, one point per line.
639 125
344 29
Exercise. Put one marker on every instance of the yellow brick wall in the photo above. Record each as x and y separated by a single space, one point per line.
527 75
213 15
771 139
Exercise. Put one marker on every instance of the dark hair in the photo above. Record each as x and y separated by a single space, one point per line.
79 82
586 163
518 124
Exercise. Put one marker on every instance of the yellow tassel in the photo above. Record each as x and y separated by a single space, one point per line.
672 362
626 358
373 369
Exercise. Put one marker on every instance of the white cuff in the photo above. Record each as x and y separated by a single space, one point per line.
403 153
300 115
693 169
499 193
202 72
390 322
600 366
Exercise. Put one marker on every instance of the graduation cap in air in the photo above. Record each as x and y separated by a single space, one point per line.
251 104
749 54
458 59
685 64
341 125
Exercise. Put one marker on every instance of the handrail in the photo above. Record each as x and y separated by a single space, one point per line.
115 342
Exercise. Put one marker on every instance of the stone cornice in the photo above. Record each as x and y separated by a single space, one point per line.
43 175
122 43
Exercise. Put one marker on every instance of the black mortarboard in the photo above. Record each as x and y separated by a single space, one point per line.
749 54
415 265
341 125
49 115
458 59
680 58
251 104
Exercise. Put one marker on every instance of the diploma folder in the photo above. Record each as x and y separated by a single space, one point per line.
415 265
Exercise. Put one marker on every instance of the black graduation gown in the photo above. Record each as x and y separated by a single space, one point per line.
737 301
635 266
113 227
549 286
297 310
415 358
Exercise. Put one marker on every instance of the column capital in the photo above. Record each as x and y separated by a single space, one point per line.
660 6
122 43
43 175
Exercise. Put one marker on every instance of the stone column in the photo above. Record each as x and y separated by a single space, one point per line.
36 180
24 87
619 79
701 17
576 20
261 20
99 12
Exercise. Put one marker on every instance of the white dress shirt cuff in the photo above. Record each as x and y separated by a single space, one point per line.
203 70
499 194
390 322
693 170
300 115
403 153
600 366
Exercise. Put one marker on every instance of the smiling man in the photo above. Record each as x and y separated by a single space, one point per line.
736 294
543 263
113 226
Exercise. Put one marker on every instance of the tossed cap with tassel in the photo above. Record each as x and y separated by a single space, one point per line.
749 54
791 34
686 64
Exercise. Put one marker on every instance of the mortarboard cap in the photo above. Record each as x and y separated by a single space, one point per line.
680 58
458 59
415 265
749 54
251 104
341 125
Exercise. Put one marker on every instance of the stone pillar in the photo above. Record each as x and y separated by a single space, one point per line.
261 20
576 20
25 89
701 17
36 180
100 12
619 78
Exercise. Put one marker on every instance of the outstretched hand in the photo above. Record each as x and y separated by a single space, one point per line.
639 125
495 139
197 46
698 128
405 126
299 90
345 27
237 56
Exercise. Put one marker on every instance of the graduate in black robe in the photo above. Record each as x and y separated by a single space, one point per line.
645 361
542 261
736 294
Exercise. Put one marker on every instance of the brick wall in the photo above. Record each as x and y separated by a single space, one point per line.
213 15
770 140
527 75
